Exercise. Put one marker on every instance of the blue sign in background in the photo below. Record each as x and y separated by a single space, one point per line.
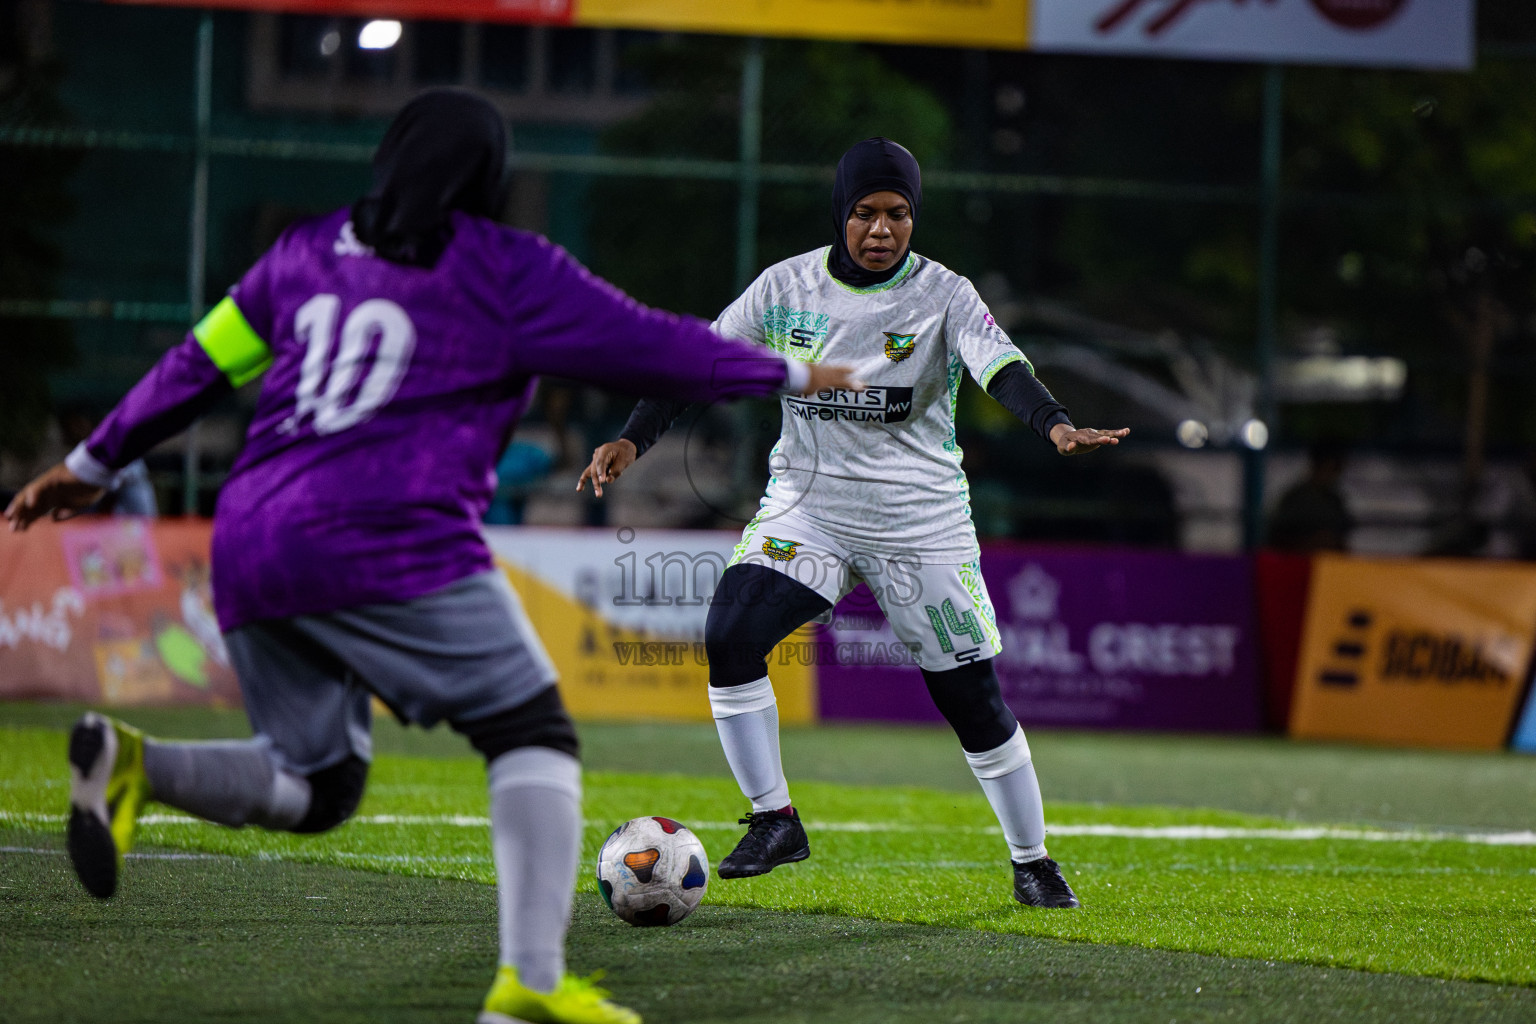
1525 731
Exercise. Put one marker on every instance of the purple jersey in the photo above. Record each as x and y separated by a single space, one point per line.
390 392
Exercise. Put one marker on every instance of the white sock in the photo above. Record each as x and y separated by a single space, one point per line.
232 782
747 718
1007 777
536 840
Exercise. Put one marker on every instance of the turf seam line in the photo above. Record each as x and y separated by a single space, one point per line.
1189 832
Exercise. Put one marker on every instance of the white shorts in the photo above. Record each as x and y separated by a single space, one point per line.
940 611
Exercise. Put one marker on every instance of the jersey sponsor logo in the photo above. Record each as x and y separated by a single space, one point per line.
899 346
780 550
800 332
872 405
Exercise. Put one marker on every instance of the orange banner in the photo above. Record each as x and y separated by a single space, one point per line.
1423 653
111 611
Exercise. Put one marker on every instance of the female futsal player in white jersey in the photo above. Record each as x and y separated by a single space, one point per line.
867 487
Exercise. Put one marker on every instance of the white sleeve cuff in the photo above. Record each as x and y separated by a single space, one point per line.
88 469
796 375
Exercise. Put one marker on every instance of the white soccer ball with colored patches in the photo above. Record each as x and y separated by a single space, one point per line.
652 871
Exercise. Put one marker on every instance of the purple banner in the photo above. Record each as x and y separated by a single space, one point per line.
1110 639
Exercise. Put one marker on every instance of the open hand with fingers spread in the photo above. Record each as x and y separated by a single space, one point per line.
57 492
1071 440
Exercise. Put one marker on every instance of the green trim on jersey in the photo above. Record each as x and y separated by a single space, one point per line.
1006 359
238 352
906 268
954 372
976 586
740 550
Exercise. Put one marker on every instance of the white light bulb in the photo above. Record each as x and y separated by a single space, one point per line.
378 35
1255 434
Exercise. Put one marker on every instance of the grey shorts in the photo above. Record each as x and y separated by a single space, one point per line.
460 653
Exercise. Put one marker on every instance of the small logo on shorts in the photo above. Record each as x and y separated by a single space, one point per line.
899 346
780 550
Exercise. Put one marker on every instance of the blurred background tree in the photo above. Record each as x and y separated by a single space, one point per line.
34 183
671 242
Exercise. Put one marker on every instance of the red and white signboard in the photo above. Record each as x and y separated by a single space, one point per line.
1395 33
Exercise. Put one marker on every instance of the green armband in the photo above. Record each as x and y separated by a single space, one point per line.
235 349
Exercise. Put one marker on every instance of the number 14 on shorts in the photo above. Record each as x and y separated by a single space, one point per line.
947 623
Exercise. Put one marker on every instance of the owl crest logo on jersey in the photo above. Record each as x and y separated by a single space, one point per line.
899 346
780 550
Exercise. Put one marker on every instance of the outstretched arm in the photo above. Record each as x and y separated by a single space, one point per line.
219 353
650 419
653 416
1021 393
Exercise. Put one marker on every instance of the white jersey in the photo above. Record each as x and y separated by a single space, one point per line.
879 469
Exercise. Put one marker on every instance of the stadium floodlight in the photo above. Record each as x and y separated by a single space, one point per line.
1192 434
1255 434
380 34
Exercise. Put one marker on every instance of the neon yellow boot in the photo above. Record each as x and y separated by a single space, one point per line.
574 1001
107 787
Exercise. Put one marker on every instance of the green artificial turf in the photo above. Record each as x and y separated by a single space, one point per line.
1257 774
1441 907
245 939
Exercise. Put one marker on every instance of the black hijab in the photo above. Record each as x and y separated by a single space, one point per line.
446 150
874 165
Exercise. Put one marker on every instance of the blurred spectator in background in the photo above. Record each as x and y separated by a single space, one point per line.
1313 515
135 496
1522 513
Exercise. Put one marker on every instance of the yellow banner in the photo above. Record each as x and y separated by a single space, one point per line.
622 616
993 24
1423 653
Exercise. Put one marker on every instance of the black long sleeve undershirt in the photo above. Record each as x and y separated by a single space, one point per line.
651 418
1021 393
1014 387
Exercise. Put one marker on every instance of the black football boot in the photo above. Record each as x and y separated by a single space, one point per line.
772 838
1039 884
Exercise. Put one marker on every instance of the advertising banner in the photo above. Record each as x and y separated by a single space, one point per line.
1386 33
1437 34
1430 652
111 611
995 24
622 614
1280 584
1092 639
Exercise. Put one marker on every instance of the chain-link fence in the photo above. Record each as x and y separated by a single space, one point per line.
1237 262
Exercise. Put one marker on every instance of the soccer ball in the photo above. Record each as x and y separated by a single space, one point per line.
652 871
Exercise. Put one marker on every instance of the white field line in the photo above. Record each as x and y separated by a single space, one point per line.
1182 832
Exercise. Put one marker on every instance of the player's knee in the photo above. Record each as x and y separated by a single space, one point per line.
734 657
754 608
540 721
334 794
971 700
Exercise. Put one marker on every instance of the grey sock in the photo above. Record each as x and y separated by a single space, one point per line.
536 839
232 782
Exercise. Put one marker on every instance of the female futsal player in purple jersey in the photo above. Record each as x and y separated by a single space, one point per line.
400 340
